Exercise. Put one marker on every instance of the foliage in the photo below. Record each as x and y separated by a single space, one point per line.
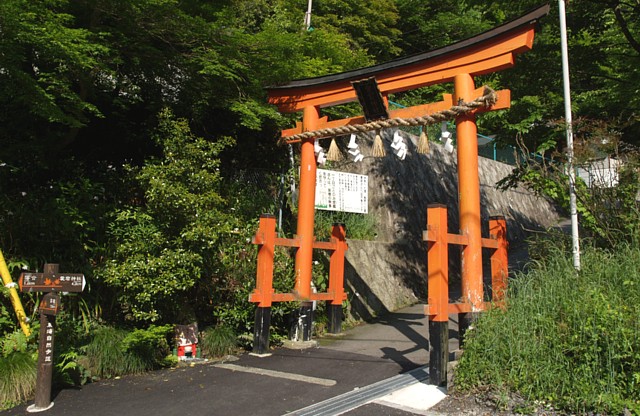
104 359
565 337
434 24
14 342
184 255
17 362
43 34
160 249
114 352
68 370
232 287
218 341
17 378
149 345
357 226
370 24
7 320
607 212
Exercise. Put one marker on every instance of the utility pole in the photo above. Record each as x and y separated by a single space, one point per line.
567 109
307 15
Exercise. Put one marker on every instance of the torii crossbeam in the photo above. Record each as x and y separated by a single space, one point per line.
491 51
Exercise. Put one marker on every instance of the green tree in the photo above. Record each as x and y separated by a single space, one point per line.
163 247
370 24
428 25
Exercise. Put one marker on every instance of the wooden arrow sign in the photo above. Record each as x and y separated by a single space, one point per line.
51 282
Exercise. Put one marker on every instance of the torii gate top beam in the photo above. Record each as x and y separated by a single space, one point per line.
487 52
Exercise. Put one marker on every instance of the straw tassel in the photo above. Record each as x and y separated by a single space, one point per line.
378 146
334 154
423 143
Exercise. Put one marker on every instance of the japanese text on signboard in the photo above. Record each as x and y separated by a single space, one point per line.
340 191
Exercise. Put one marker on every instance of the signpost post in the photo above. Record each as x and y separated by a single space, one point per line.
50 282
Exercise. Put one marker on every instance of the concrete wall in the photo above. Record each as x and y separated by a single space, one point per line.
390 272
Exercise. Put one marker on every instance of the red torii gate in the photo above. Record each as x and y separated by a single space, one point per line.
460 62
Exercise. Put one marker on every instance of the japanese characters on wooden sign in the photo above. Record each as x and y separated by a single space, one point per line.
48 343
51 282
50 304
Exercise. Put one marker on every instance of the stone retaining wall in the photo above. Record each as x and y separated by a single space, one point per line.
390 272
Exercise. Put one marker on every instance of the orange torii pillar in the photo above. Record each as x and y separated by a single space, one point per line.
303 322
499 259
438 296
469 203
336 278
264 293
439 308
266 240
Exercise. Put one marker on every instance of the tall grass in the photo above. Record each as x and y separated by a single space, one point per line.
113 352
570 338
218 341
358 226
17 378
105 358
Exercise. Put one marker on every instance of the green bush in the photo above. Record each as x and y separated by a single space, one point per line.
218 341
358 226
114 352
17 378
148 346
161 250
565 337
15 341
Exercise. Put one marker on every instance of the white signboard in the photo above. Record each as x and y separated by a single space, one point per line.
340 191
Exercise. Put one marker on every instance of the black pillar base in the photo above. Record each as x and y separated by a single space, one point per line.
465 320
302 323
334 313
261 330
438 352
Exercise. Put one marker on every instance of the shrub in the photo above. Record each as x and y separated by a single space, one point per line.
566 337
104 358
17 378
15 341
608 213
161 250
218 341
148 346
358 226
114 352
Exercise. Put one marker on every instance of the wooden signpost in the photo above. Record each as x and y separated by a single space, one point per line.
50 282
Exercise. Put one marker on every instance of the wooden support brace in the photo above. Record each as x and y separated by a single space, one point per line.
438 261
264 293
336 264
266 238
499 258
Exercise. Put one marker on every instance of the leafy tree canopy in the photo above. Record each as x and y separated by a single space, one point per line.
92 179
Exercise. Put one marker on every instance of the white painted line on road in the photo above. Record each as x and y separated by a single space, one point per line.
279 374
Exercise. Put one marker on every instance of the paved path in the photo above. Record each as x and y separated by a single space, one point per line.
374 369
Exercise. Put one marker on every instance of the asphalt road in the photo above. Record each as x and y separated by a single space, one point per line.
286 381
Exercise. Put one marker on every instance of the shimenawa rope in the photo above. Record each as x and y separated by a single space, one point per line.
488 99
